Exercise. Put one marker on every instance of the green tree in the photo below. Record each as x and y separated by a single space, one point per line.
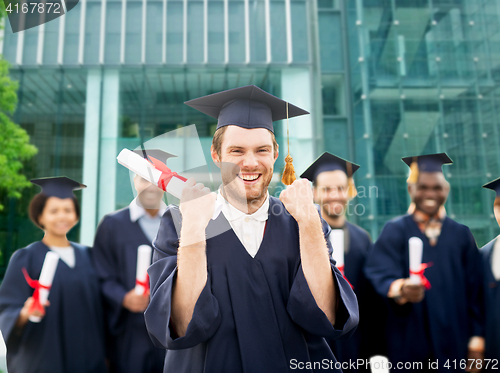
15 144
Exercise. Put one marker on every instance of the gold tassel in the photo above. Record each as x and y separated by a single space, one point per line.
351 189
413 177
289 172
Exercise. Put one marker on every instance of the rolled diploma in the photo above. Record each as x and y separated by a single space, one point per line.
337 241
46 277
143 263
416 247
137 164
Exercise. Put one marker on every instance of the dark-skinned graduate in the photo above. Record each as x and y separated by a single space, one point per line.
491 275
333 189
115 254
264 295
66 333
437 319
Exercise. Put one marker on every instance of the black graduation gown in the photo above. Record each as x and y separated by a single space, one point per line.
440 326
492 307
366 341
254 314
70 338
115 258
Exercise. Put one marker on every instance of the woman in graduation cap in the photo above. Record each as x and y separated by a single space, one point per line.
491 272
69 337
437 320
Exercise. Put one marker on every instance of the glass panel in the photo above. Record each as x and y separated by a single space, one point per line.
330 39
174 31
51 42
257 31
154 31
133 36
92 32
278 31
72 35
236 10
216 31
113 32
30 46
195 40
9 43
333 93
300 31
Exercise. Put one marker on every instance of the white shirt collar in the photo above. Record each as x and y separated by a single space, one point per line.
137 211
232 213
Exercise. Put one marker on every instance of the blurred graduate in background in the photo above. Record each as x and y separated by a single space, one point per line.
65 334
440 316
333 189
491 271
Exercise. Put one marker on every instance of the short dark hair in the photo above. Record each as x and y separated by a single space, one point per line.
37 205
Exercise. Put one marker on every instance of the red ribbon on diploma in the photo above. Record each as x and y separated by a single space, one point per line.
420 273
341 269
144 284
166 173
35 284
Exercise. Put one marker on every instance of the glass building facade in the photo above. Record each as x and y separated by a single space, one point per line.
382 79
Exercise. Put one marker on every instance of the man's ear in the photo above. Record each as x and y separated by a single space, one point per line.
411 189
277 153
215 157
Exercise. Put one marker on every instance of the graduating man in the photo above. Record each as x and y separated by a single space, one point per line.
491 271
438 319
333 188
262 296
115 255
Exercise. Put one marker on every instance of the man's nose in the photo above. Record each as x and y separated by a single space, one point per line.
250 160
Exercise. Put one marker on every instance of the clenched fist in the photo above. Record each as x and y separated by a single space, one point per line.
197 204
298 200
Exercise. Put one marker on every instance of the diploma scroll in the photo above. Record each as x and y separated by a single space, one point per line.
137 164
379 364
45 282
143 263
337 240
416 247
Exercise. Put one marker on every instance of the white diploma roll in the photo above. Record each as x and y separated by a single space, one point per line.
46 277
143 263
137 164
379 364
337 241
416 247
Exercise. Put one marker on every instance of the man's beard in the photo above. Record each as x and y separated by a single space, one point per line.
234 188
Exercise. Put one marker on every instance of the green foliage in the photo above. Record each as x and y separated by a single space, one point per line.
14 141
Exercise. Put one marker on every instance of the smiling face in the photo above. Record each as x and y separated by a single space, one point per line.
58 216
331 192
247 159
430 192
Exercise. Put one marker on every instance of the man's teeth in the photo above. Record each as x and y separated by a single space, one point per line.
430 202
249 177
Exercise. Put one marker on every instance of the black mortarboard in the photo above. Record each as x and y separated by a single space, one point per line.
494 185
329 162
425 163
60 187
247 107
429 162
155 153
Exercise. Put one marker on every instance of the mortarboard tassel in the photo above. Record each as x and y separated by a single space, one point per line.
289 171
351 188
413 178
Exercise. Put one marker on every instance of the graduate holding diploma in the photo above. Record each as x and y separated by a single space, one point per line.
333 188
122 253
262 296
427 267
491 272
64 333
